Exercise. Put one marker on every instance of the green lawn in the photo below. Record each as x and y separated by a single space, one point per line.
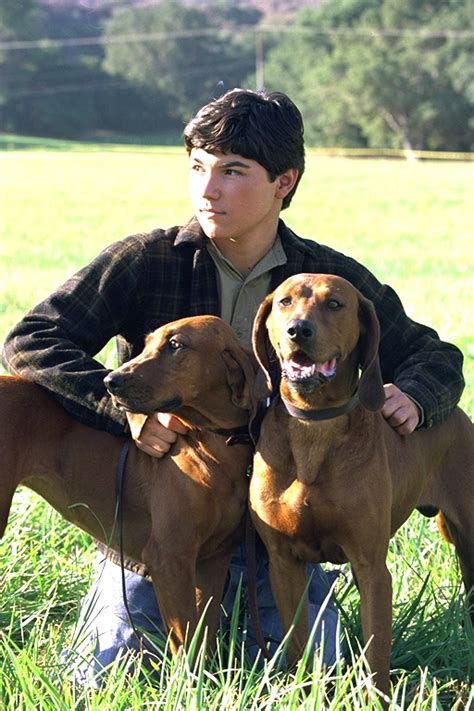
412 224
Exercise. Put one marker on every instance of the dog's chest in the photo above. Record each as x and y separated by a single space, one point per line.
302 513
315 447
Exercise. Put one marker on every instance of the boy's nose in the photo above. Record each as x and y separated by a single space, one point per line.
210 188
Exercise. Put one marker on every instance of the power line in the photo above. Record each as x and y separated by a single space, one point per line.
103 40
78 72
371 32
64 89
27 91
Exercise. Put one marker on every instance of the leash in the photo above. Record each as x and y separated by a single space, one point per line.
251 560
249 435
317 415
251 546
236 435
119 482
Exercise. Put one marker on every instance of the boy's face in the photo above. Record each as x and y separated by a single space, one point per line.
232 196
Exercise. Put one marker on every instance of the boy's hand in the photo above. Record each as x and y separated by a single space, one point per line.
399 411
158 433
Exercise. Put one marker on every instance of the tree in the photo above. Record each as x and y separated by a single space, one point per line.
185 61
62 90
47 90
392 87
18 19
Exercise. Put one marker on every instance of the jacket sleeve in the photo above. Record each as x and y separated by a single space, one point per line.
55 343
412 355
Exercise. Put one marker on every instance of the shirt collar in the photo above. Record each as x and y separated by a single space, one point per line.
273 258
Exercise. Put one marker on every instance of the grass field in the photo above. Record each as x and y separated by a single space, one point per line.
412 224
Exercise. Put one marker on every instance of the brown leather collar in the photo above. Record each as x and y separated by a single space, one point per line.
235 435
323 414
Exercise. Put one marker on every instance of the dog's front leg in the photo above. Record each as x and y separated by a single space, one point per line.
173 572
288 581
375 588
211 575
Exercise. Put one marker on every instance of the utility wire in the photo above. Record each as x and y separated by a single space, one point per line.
65 89
77 72
26 91
134 38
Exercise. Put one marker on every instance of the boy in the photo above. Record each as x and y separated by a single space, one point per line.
246 157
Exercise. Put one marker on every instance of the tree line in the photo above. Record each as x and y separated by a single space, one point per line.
365 73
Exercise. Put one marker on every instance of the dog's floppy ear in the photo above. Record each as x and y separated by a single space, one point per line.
263 348
371 391
240 365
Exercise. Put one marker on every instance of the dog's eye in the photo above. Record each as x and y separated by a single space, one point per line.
174 344
285 301
334 304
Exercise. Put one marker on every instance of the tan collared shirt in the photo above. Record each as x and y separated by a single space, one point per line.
240 296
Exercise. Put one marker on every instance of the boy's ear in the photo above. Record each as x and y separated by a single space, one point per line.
286 182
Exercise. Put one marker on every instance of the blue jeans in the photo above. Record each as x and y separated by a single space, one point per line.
103 631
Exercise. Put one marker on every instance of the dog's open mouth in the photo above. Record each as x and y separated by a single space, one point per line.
300 369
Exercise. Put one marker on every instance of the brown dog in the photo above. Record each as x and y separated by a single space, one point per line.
336 488
182 515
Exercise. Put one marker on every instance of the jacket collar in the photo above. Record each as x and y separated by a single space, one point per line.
191 233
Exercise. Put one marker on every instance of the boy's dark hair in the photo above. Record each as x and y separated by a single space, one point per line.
265 127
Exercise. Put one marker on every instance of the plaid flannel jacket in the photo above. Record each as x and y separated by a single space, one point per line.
146 280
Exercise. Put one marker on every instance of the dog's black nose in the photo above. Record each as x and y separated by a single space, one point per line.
300 330
114 382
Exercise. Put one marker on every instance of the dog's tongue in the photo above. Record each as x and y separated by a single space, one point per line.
303 367
328 368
